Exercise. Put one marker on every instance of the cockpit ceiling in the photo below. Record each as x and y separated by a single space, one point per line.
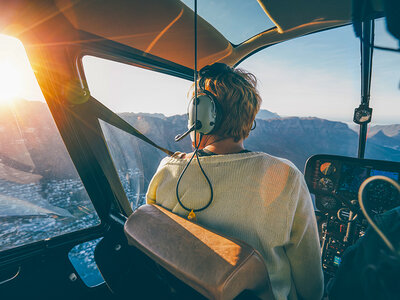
164 28
290 14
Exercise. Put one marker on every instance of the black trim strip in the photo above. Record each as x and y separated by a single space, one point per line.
367 39
107 115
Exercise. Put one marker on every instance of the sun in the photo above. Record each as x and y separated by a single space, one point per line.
17 79
10 81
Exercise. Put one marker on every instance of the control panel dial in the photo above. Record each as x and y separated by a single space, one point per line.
327 168
327 203
325 184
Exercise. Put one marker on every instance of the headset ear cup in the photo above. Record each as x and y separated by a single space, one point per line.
205 114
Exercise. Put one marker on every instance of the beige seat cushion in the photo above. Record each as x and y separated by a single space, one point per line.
215 266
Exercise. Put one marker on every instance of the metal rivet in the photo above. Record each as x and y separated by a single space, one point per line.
117 247
72 277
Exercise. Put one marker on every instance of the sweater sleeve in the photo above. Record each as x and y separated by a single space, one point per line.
303 249
157 177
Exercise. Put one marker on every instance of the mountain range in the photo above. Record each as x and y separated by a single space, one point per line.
30 144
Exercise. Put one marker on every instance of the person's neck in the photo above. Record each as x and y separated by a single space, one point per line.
223 146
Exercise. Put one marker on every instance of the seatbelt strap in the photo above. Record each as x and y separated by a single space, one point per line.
107 115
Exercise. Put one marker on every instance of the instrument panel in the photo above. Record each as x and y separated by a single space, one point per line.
335 181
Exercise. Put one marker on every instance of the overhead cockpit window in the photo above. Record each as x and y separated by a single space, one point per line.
41 194
385 98
154 103
237 20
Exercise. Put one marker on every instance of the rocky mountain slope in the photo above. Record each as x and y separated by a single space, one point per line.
30 143
385 135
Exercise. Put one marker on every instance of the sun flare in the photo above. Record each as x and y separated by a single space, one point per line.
10 81
17 79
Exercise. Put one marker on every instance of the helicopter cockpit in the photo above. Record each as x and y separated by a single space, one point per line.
109 86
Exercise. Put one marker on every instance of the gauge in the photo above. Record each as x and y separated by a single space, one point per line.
326 203
325 184
362 114
327 168
380 196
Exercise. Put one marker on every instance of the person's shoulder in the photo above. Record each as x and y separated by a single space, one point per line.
163 163
271 160
176 157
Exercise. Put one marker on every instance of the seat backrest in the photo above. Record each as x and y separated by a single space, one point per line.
217 267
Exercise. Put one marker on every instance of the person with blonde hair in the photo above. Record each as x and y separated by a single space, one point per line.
258 198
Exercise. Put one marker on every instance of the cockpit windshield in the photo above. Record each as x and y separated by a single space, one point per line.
309 86
312 76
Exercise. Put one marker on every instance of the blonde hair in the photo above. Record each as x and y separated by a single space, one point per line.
238 97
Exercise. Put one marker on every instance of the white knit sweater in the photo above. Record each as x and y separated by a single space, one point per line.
260 199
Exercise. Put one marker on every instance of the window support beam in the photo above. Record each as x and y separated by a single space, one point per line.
366 47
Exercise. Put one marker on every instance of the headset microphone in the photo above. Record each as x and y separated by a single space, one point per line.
182 135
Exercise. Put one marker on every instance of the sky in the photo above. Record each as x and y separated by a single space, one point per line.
317 75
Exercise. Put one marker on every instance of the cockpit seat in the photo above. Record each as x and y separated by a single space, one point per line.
215 266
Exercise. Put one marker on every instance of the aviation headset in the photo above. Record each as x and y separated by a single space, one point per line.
209 110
